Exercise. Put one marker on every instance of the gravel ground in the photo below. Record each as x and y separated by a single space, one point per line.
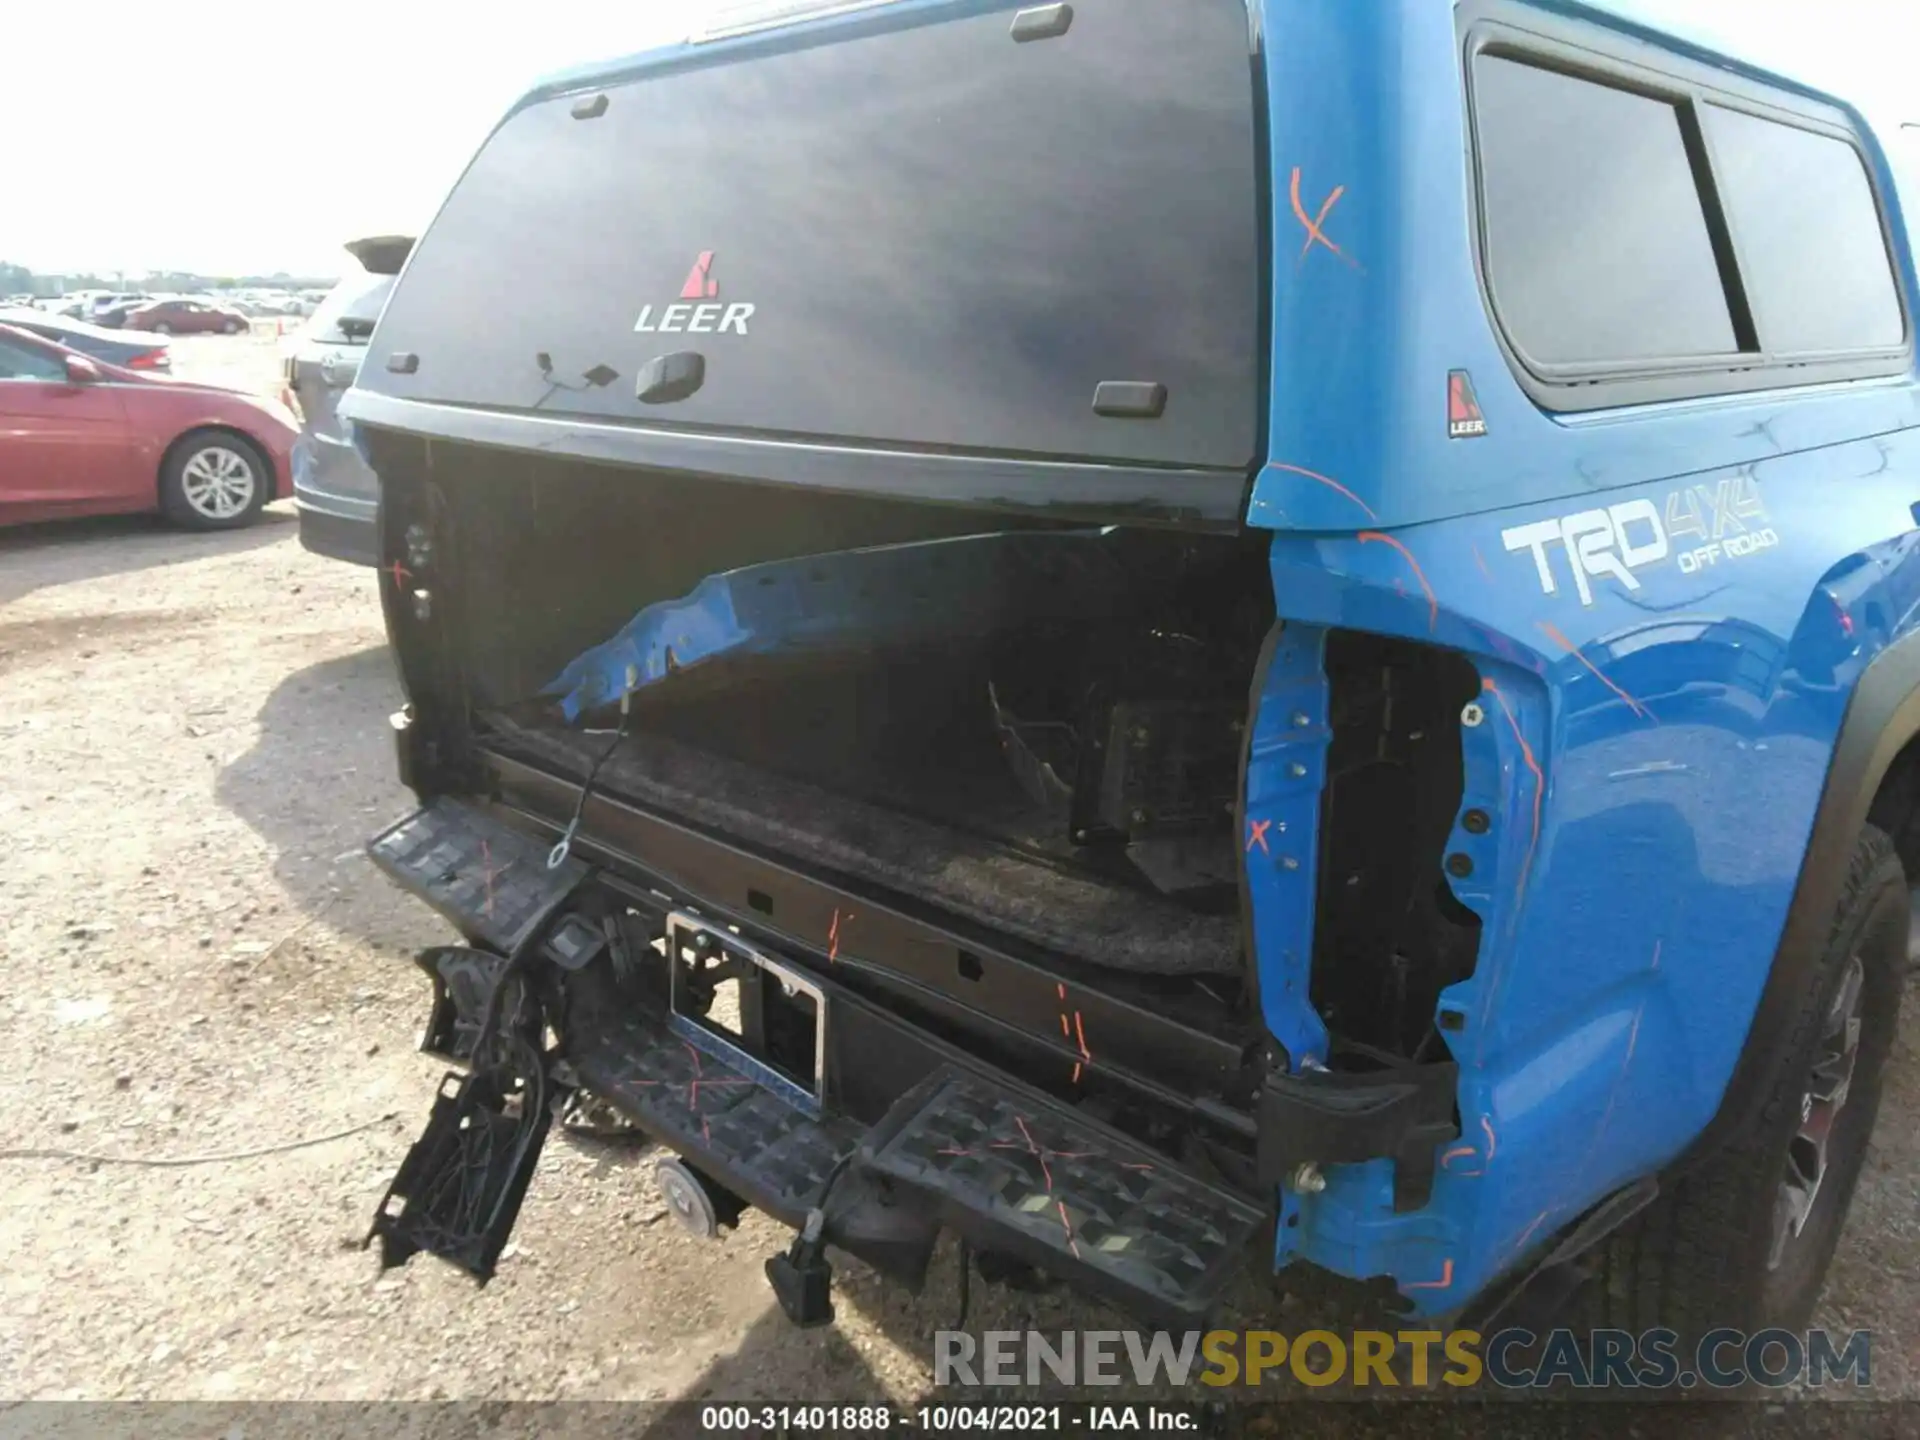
199 961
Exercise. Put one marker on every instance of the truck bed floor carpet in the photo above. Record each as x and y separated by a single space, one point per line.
1077 914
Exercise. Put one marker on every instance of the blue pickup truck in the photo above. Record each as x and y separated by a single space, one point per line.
1168 636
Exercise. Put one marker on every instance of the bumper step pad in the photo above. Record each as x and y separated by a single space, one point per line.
748 1138
1027 1176
487 878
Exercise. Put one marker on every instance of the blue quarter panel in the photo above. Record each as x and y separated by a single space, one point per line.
1652 748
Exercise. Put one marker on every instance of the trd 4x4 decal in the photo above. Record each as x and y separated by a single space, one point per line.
1726 516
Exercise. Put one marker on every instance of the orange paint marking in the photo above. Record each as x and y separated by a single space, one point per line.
1444 1282
1316 234
693 1085
1068 1032
1486 1128
1433 605
1552 632
833 935
1458 1150
1539 780
1481 561
1258 835
1036 1151
1067 1225
1331 484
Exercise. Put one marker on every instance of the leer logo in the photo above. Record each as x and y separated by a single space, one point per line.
1464 420
706 317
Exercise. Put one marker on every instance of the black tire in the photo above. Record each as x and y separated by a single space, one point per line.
185 486
1708 1252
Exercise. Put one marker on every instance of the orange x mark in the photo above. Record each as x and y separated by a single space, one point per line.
1258 835
1313 226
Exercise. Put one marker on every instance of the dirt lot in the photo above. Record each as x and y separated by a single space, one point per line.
198 961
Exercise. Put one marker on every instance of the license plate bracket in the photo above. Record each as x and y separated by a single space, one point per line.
771 1042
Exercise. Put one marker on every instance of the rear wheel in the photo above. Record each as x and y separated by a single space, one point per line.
232 327
161 327
214 481
1745 1238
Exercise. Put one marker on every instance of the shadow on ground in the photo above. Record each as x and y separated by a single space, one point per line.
318 782
62 552
760 1371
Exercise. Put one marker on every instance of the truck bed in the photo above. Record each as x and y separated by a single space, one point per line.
987 879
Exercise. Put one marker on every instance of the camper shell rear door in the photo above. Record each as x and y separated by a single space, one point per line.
946 251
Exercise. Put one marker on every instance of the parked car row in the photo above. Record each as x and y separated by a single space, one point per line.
91 423
86 436
166 314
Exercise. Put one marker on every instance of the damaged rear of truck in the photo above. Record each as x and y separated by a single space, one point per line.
1042 623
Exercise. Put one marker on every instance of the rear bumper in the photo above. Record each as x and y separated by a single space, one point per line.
334 520
912 1136
352 538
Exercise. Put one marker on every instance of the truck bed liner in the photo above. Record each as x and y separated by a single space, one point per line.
1075 914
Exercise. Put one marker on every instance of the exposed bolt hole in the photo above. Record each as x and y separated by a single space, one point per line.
1476 822
761 901
970 966
1459 866
1452 1020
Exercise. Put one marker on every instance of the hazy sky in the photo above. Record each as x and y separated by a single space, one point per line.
237 135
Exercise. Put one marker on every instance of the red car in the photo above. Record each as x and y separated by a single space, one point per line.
186 317
82 437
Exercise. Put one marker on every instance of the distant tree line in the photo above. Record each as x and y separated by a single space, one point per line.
19 280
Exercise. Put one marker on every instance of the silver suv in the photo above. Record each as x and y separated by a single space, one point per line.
337 497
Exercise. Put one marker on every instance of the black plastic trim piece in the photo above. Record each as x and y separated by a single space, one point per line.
1605 56
591 108
403 362
667 378
1340 1118
1138 399
1882 716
